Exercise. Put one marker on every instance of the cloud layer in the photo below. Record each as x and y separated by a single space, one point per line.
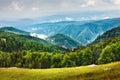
35 8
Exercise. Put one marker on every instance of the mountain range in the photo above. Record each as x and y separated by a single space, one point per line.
12 39
66 34
60 40
83 32
24 50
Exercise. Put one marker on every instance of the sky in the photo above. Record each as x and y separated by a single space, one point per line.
17 9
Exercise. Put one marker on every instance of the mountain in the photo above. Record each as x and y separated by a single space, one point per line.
22 34
84 35
84 32
63 41
115 32
37 28
59 38
14 30
10 42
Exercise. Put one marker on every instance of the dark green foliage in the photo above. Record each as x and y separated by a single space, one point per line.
57 60
10 42
103 52
67 62
86 56
106 56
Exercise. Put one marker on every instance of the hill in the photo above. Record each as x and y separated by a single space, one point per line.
10 42
22 34
60 40
76 29
115 32
36 53
101 72
63 41
14 30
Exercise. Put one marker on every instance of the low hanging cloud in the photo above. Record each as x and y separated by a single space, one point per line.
68 19
41 36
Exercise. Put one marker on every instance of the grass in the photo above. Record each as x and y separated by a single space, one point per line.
102 72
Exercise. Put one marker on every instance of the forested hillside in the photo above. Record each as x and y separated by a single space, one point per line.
22 51
10 42
115 32
14 30
64 41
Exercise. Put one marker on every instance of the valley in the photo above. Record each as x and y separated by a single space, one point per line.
59 39
26 57
19 49
83 32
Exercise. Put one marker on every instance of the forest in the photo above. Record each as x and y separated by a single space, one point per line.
101 53
25 51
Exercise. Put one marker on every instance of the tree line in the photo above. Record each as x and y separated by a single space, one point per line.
101 53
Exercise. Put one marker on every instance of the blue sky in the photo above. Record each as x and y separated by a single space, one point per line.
16 9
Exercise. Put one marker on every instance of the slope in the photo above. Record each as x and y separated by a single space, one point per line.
10 42
63 41
115 32
14 30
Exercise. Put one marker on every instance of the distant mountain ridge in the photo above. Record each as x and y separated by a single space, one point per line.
84 32
14 30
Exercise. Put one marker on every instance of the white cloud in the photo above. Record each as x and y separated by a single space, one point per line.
41 36
94 17
16 6
107 17
84 18
91 2
88 3
68 19
40 8
34 29
35 8
56 20
117 2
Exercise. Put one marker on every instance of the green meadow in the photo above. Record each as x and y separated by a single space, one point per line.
109 71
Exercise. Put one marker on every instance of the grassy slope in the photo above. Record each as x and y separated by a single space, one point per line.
76 73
